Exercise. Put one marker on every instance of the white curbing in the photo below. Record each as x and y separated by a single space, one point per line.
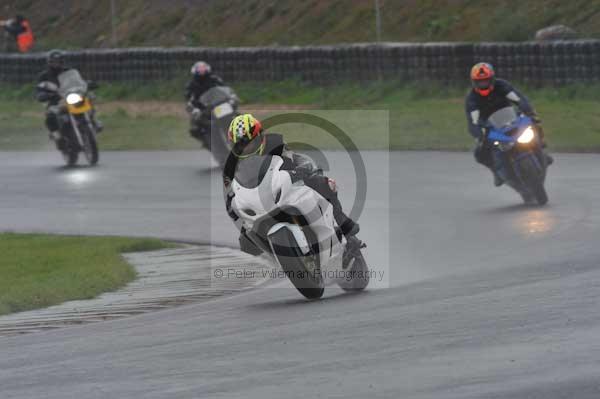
166 278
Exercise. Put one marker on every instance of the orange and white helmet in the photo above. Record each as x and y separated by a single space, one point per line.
483 78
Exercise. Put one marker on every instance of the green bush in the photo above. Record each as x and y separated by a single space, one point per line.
507 24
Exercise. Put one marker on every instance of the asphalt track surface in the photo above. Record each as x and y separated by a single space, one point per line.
486 298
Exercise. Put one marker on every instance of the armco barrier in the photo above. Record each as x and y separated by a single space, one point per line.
551 63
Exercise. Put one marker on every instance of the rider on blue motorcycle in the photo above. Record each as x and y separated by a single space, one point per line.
487 96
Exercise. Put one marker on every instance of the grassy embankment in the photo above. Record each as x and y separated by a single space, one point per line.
421 117
42 270
292 22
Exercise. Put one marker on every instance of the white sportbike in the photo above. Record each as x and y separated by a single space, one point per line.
295 225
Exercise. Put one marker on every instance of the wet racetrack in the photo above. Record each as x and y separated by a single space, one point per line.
480 296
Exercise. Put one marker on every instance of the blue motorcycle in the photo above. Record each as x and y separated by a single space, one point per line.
517 153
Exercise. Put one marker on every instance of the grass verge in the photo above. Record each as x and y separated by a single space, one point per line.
43 270
422 116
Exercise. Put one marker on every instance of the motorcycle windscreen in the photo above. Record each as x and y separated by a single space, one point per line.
250 172
503 117
217 95
70 81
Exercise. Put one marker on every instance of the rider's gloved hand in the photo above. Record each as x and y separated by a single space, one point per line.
535 118
538 124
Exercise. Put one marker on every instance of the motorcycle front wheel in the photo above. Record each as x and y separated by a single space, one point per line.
90 146
533 178
301 269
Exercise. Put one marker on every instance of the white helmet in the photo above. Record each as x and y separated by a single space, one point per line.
201 69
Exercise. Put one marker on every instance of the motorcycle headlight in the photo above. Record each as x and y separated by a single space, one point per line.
74 98
527 136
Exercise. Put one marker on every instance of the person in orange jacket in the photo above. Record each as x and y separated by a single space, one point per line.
20 30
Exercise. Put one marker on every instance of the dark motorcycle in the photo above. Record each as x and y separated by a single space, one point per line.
220 107
76 118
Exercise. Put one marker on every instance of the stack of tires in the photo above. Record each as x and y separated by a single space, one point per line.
536 63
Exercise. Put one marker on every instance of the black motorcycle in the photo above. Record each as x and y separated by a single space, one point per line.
220 107
78 129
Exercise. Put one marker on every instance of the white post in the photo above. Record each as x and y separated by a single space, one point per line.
113 18
377 21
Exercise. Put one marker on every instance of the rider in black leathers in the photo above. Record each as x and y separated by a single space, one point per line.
202 80
47 92
487 96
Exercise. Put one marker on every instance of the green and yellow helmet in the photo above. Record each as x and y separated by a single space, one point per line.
246 136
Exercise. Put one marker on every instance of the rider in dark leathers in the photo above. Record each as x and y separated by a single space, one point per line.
47 92
202 80
487 96
247 138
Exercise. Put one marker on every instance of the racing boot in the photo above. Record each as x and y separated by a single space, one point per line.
55 135
497 180
348 226
59 140
485 158
349 229
353 247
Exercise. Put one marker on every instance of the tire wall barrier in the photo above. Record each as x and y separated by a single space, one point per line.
549 63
